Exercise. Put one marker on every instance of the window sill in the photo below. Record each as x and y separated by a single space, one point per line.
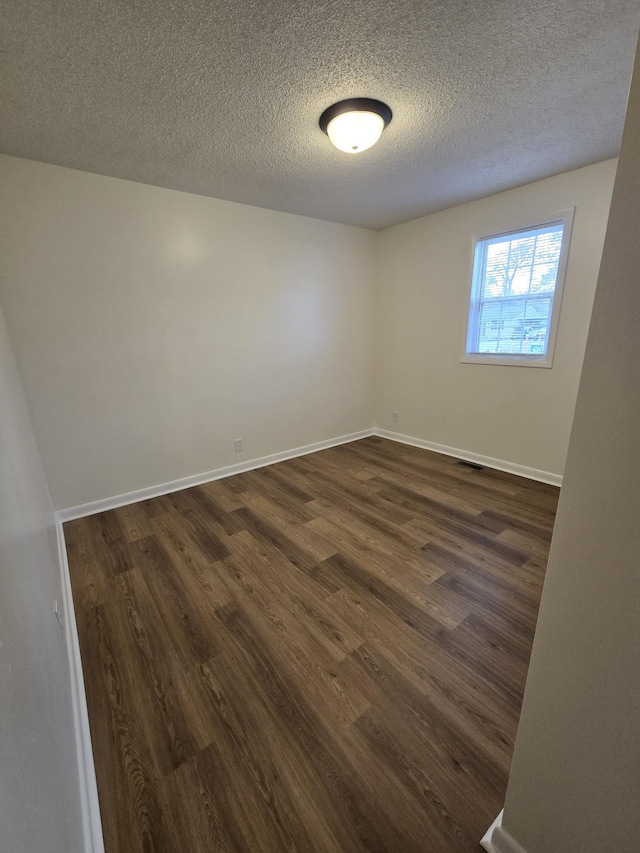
508 360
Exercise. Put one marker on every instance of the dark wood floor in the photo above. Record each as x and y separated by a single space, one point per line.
327 654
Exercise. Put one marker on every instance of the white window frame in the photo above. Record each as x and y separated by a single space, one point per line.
472 301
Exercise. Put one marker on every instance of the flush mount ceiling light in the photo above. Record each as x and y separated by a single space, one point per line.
355 124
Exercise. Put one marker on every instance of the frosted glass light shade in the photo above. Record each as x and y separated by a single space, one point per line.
355 131
355 124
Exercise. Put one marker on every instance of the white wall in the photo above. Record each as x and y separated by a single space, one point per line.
519 415
152 328
39 794
575 778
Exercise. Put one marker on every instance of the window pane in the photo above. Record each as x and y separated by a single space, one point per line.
514 280
545 269
537 318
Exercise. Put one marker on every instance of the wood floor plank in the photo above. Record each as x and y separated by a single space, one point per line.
445 471
281 498
134 521
298 532
351 494
312 663
223 496
452 681
265 799
131 816
179 595
144 685
419 609
359 544
100 551
330 764
439 780
309 618
326 655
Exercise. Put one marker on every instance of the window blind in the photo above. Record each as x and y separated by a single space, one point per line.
513 285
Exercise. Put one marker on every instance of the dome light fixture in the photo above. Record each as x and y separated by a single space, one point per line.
355 124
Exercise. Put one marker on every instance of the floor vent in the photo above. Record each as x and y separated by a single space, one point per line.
473 465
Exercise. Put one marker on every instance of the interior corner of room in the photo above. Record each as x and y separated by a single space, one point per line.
154 339
149 338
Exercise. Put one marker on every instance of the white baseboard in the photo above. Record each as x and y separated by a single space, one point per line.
198 479
487 461
105 504
486 838
497 840
92 823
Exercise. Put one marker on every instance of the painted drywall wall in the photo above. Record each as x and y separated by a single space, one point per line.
39 793
152 328
575 778
519 415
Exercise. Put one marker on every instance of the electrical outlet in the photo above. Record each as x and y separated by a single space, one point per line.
238 445
59 618
394 417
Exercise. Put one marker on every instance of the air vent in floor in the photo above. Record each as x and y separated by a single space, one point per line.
473 465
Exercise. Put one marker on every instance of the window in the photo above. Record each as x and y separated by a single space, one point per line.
516 290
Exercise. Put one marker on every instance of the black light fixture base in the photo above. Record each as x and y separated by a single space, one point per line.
369 105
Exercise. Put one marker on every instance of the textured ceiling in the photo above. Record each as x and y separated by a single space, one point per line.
223 98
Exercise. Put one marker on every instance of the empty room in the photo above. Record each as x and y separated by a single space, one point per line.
319 447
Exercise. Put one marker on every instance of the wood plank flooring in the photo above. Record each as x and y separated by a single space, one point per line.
327 654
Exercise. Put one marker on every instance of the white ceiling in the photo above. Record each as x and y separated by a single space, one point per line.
222 98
